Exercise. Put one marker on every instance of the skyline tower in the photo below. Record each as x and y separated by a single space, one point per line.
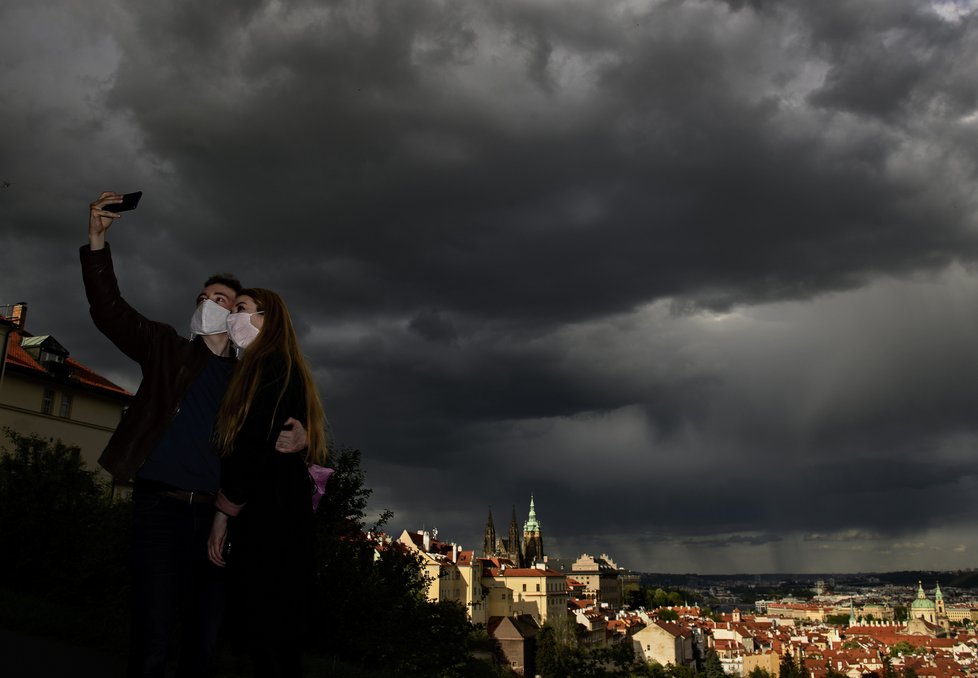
523 547
489 545
532 537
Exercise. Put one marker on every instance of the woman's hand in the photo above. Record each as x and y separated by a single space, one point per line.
292 437
219 535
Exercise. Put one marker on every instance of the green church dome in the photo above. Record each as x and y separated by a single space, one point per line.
921 602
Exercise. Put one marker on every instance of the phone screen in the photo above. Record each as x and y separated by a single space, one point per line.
129 202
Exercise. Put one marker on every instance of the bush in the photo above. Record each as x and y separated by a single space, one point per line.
65 541
63 536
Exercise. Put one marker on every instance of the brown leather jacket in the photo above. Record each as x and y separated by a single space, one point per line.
169 363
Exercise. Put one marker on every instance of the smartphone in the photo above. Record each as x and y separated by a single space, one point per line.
129 202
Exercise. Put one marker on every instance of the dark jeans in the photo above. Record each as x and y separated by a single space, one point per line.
174 586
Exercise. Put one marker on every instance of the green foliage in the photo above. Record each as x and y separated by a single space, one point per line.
559 655
652 598
789 668
833 673
556 647
837 619
888 670
64 540
62 535
758 672
657 670
360 578
902 648
712 668
673 671
665 614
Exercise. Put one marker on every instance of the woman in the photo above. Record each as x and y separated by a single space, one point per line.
265 495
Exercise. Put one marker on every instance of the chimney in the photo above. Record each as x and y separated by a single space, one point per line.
15 313
426 539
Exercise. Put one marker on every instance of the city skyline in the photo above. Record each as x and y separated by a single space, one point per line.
700 276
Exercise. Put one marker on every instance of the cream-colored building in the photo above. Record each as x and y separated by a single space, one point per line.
487 587
875 611
960 613
452 574
602 579
665 643
526 590
799 611
46 392
769 661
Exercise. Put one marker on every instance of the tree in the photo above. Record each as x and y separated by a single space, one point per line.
758 672
712 668
901 648
680 671
833 673
360 576
789 668
888 670
557 647
665 614
62 535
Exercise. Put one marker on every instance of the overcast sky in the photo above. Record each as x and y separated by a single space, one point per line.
700 275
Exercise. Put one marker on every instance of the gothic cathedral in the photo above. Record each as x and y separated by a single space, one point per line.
522 551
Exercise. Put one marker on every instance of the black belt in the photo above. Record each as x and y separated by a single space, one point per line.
144 485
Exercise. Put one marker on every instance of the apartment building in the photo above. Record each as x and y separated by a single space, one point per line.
46 392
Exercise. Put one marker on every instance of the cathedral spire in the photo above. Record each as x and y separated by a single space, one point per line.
531 524
489 541
532 537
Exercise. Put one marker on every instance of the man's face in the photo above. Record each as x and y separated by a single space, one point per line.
222 295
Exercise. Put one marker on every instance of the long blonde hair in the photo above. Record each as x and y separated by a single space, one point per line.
277 337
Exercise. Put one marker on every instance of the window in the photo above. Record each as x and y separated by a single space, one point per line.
65 405
47 401
524 588
538 588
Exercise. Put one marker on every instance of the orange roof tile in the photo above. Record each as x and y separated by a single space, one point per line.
528 572
81 374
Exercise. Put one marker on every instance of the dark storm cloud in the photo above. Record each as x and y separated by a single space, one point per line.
697 257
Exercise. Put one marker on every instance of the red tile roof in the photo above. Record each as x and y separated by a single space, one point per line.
17 356
528 572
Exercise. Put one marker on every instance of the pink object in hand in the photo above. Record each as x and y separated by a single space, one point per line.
318 475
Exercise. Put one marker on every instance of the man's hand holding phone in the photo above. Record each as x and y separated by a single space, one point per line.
104 211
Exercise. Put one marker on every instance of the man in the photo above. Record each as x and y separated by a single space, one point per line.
164 443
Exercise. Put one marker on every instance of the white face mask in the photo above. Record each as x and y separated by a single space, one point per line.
240 329
209 318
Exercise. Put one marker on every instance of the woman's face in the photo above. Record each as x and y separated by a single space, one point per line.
245 304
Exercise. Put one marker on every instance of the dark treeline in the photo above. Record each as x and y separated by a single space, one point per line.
64 541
